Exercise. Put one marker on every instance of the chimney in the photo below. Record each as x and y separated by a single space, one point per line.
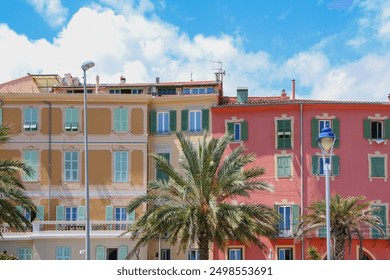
283 95
97 84
242 95
68 79
123 80
293 90
157 80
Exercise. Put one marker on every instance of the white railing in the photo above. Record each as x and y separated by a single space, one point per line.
39 227
366 231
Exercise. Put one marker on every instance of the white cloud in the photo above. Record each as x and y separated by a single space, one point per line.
51 10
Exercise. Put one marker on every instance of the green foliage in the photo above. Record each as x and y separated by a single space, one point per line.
199 204
12 189
313 253
347 216
4 257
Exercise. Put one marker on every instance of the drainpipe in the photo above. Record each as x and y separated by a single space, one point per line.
49 157
301 168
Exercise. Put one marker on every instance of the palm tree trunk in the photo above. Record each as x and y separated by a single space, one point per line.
339 250
203 246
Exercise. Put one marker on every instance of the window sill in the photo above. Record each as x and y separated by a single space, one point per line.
332 177
378 141
377 178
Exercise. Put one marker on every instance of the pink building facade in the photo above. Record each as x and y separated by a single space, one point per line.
282 132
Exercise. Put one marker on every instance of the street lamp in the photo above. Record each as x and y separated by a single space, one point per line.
326 141
85 66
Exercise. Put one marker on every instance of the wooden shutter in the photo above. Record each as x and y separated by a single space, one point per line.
184 120
295 218
100 252
314 132
314 165
153 122
60 213
387 129
336 131
109 213
230 128
336 165
81 213
380 211
131 216
40 213
244 131
172 120
122 252
205 119
367 129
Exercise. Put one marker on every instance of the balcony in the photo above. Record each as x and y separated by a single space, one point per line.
66 229
366 234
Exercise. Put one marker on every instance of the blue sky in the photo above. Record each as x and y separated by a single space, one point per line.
334 49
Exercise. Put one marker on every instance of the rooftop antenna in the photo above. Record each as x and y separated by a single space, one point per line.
220 72
191 75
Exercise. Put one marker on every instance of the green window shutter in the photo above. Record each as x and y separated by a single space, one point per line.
117 119
244 131
125 119
380 211
60 213
131 216
366 129
205 119
172 120
283 166
161 175
387 129
122 252
100 252
336 131
314 133
314 165
336 165
109 213
377 167
295 218
41 213
322 232
284 134
230 128
153 122
184 120
81 213
20 209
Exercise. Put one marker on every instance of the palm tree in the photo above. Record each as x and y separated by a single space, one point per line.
347 216
199 205
12 190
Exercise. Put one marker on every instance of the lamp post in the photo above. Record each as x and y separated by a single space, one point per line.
326 141
85 66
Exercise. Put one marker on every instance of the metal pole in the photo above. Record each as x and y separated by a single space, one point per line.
87 223
327 198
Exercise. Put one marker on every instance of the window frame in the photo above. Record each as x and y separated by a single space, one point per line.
30 119
121 120
120 170
63 253
24 253
284 133
71 213
33 163
232 252
72 119
163 122
193 255
195 122
284 249
289 167
165 254
71 170
372 176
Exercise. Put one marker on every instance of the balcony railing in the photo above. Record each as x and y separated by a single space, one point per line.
367 233
63 227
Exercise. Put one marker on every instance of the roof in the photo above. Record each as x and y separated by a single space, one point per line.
30 84
228 101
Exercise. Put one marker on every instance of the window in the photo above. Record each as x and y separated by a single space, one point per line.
30 119
288 224
120 216
193 254
377 167
71 166
239 130
161 175
285 254
284 134
195 121
115 91
163 122
318 165
321 232
381 212
25 253
121 120
167 91
234 253
70 213
121 166
25 212
103 253
30 158
317 124
165 254
63 253
136 91
71 119
283 166
376 129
